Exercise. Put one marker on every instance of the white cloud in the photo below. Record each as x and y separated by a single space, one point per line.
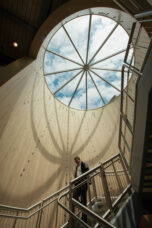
60 43
53 63
78 30
101 27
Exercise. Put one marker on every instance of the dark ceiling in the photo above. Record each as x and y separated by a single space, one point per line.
21 19
19 22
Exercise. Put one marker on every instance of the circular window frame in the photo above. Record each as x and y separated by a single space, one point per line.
78 14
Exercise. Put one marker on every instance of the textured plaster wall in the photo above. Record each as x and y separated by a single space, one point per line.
39 136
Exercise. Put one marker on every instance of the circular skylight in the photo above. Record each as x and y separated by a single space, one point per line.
83 60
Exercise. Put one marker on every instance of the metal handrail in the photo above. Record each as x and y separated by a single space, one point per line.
136 72
143 14
56 194
94 169
80 206
99 219
84 209
26 210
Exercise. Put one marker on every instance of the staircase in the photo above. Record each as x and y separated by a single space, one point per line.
110 185
110 180
146 185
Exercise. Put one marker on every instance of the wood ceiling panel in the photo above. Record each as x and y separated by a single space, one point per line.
18 33
20 20
25 9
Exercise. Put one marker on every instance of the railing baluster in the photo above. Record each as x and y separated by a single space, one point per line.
124 169
38 224
94 188
71 207
99 171
15 221
105 188
117 178
89 192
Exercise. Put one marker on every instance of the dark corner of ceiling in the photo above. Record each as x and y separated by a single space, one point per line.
20 21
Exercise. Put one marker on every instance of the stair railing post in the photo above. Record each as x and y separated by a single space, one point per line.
89 192
105 188
124 169
38 224
94 188
71 207
117 178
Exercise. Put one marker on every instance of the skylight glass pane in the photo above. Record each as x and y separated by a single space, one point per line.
53 63
56 81
106 90
66 93
94 99
79 100
100 28
78 30
63 46
114 62
116 42
112 77
91 45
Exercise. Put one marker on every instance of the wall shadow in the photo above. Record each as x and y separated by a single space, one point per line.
63 152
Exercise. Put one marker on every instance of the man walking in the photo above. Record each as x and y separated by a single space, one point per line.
81 192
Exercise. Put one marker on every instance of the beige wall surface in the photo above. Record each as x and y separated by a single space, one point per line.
39 136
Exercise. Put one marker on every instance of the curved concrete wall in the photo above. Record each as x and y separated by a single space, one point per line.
40 136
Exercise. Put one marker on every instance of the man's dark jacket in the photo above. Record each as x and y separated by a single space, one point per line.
84 168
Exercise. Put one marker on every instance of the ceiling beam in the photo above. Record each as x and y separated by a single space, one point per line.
4 13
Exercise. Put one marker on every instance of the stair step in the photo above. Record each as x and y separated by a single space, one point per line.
148 171
148 177
148 158
146 181
149 151
148 165
147 185
145 189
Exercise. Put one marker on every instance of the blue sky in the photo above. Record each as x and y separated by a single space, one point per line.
60 44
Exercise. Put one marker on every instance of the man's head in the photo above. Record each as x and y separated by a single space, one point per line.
77 160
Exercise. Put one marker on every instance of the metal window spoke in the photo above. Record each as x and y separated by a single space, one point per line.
88 42
76 88
63 57
96 88
109 35
109 56
90 66
73 43
86 90
62 71
106 69
105 80
67 82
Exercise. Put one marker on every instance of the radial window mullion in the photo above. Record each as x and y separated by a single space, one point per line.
105 80
97 88
86 91
67 82
108 57
106 69
73 43
63 71
76 88
79 87
63 57
103 42
88 42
